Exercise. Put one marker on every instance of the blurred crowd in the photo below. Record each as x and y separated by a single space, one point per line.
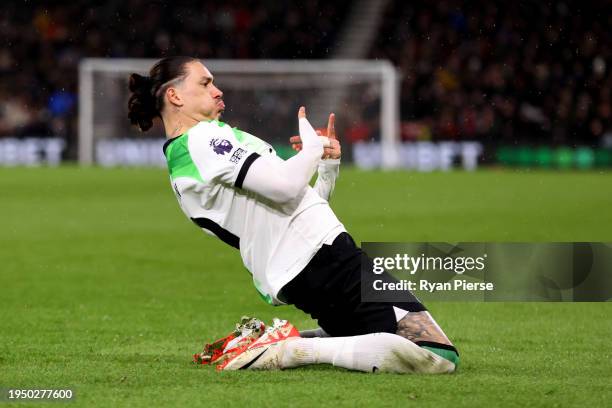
516 72
44 41
523 71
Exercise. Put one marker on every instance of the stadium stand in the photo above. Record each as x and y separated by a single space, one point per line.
471 70
483 70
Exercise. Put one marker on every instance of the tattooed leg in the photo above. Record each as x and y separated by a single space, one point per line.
420 326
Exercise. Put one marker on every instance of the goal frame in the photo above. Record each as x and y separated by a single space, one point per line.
389 118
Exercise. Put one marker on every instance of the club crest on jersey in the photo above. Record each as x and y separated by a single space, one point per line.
221 146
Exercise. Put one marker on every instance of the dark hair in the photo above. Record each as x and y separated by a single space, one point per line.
147 98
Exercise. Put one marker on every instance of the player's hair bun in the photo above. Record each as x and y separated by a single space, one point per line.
147 99
141 105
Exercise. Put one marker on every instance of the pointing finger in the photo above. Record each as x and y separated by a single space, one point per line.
331 126
302 112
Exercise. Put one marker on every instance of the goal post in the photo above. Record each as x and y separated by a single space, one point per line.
262 97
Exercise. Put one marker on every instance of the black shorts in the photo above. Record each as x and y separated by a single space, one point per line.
329 290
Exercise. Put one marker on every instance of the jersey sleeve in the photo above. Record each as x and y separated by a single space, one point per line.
219 156
254 143
326 180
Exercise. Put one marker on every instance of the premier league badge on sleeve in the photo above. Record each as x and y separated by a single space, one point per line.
221 146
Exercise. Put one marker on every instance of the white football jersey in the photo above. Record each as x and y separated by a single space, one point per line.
208 165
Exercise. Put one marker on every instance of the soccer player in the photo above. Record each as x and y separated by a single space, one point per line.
233 186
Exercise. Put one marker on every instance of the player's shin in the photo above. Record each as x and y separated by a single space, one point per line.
382 352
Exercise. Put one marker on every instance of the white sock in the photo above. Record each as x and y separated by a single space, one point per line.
318 332
371 352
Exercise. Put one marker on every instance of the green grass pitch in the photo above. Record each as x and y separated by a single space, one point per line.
108 289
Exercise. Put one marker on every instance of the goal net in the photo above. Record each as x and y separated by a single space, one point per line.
261 97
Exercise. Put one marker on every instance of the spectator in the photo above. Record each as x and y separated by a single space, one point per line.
505 72
46 41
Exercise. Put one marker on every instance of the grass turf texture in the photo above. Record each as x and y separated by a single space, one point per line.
108 289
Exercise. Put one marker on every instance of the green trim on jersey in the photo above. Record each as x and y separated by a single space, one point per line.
239 134
179 159
266 298
217 121
253 143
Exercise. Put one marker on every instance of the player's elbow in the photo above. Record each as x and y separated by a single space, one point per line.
286 192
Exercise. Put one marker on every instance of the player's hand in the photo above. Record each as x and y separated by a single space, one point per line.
334 151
